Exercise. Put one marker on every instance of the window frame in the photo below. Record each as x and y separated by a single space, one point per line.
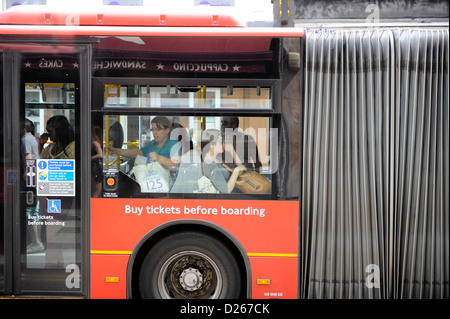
100 110
98 85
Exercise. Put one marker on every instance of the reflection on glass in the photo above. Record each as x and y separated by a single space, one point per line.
44 93
52 224
187 97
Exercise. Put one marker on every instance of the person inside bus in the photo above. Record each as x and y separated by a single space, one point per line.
212 149
182 135
30 150
96 161
244 144
62 135
159 149
29 143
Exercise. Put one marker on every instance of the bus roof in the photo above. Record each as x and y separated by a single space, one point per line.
128 21
117 16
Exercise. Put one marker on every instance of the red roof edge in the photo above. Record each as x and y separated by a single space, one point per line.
118 16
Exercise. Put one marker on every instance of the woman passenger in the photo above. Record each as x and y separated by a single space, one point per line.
212 149
96 161
159 149
62 135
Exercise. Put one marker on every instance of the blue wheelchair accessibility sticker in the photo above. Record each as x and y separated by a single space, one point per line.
53 206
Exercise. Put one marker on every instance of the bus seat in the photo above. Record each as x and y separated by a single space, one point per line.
186 180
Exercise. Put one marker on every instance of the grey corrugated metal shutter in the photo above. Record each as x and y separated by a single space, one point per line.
375 167
421 215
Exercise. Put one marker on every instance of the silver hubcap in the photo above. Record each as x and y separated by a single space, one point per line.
190 274
191 279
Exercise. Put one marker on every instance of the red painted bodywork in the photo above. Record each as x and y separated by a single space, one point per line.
272 241
116 16
128 21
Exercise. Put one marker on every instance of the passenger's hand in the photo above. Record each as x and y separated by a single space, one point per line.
154 156
44 138
240 168
111 149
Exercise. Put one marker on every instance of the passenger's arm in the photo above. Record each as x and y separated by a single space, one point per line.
130 152
234 176
98 150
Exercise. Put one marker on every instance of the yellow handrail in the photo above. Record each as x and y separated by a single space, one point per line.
107 142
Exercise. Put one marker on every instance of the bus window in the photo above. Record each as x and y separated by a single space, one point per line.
187 97
185 154
44 100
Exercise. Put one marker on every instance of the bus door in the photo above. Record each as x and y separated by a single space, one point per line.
43 214
2 186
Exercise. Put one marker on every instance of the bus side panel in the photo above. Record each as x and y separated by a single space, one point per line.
274 277
263 228
108 276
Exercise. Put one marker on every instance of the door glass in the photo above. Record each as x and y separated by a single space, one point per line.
49 176
49 212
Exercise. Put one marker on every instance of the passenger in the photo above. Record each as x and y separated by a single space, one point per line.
182 135
96 161
212 150
30 145
62 135
30 150
159 149
244 144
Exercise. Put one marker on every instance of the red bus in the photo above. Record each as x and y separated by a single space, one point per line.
343 126
170 99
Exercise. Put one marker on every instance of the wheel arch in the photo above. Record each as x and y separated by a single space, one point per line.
156 234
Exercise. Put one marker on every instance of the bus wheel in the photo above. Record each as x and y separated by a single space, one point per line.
189 265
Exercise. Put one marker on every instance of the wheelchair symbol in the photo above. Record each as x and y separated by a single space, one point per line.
54 206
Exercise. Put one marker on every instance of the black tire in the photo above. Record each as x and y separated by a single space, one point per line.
189 265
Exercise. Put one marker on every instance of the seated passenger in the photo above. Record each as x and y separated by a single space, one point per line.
159 149
243 143
212 149
182 135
